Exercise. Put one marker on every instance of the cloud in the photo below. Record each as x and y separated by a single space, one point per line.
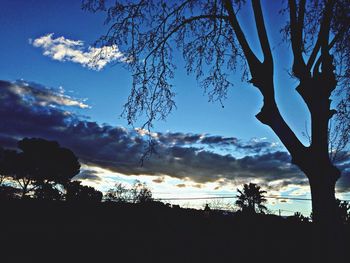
90 175
254 146
159 180
34 93
179 155
64 49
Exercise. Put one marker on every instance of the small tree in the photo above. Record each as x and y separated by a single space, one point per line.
220 204
119 193
140 193
251 199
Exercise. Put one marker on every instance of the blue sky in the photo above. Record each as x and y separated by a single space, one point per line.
22 22
108 89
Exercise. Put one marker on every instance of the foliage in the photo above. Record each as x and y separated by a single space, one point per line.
75 192
39 165
251 199
220 204
47 191
48 162
119 193
138 193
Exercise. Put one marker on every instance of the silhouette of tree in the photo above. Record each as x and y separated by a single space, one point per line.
220 204
140 193
48 162
214 46
14 165
75 192
39 165
119 193
251 199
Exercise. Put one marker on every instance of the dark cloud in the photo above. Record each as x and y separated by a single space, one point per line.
256 146
183 139
89 175
178 138
179 155
158 180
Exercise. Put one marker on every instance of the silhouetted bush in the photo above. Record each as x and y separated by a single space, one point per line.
138 193
75 192
47 191
119 193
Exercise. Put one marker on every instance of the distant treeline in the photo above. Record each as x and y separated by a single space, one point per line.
43 170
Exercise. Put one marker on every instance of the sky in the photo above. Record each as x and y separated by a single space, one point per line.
51 88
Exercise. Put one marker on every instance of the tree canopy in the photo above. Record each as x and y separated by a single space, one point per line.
40 164
251 199
47 161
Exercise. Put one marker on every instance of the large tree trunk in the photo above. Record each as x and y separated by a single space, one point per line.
323 196
327 236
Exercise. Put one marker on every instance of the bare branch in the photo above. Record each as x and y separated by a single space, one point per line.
252 60
296 28
323 34
264 41
182 24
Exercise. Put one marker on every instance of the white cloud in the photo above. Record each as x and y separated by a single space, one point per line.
39 95
63 49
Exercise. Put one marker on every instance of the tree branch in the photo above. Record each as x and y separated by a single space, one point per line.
263 80
323 34
263 39
270 115
184 22
252 60
296 28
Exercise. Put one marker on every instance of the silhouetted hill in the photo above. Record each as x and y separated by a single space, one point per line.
34 231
